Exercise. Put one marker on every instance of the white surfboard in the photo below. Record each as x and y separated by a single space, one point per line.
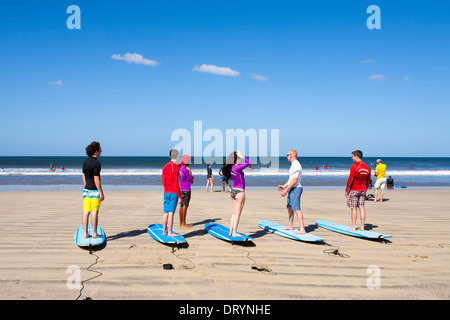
340 228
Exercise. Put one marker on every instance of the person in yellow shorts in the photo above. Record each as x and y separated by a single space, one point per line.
92 192
380 173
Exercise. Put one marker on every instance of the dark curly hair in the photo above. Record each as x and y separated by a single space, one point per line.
228 164
92 148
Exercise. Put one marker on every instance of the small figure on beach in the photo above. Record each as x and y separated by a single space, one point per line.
51 167
380 173
172 193
92 193
225 180
209 177
390 183
355 191
293 188
234 169
186 179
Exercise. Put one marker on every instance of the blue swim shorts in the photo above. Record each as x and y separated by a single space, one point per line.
293 198
170 202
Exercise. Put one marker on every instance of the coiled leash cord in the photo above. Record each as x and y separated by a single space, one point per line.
335 251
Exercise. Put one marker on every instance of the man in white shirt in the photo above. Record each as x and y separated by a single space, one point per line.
293 188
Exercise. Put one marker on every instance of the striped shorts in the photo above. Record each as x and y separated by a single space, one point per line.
91 200
356 199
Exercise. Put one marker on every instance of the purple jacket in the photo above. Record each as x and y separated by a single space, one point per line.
237 174
185 179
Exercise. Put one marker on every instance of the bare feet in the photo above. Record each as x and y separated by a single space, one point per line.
288 228
185 226
170 234
87 236
301 231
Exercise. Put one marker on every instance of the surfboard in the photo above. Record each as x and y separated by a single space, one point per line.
81 241
278 229
156 232
398 186
336 227
222 232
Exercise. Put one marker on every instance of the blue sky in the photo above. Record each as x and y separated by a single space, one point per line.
138 70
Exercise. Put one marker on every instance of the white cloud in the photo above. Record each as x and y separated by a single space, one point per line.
258 77
56 83
135 58
223 71
378 77
405 78
368 61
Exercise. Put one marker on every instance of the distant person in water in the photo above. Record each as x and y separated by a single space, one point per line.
172 193
209 177
186 179
92 192
235 164
355 191
293 189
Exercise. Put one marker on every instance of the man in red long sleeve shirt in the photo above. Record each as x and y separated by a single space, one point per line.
171 192
357 185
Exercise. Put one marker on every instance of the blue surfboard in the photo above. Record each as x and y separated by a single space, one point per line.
398 186
81 241
156 232
336 227
278 229
222 232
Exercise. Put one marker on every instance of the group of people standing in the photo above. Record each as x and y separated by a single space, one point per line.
177 180
174 191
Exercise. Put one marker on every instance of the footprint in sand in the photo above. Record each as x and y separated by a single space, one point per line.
415 258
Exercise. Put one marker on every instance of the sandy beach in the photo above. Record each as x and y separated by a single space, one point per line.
38 253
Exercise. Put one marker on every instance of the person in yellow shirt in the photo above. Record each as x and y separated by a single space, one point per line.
380 173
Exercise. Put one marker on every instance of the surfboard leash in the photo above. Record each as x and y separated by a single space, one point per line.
260 268
177 248
335 251
91 270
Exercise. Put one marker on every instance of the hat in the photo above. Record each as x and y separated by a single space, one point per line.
186 158
379 160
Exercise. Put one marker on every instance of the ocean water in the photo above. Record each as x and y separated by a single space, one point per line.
145 172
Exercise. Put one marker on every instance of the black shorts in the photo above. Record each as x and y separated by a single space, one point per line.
185 198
